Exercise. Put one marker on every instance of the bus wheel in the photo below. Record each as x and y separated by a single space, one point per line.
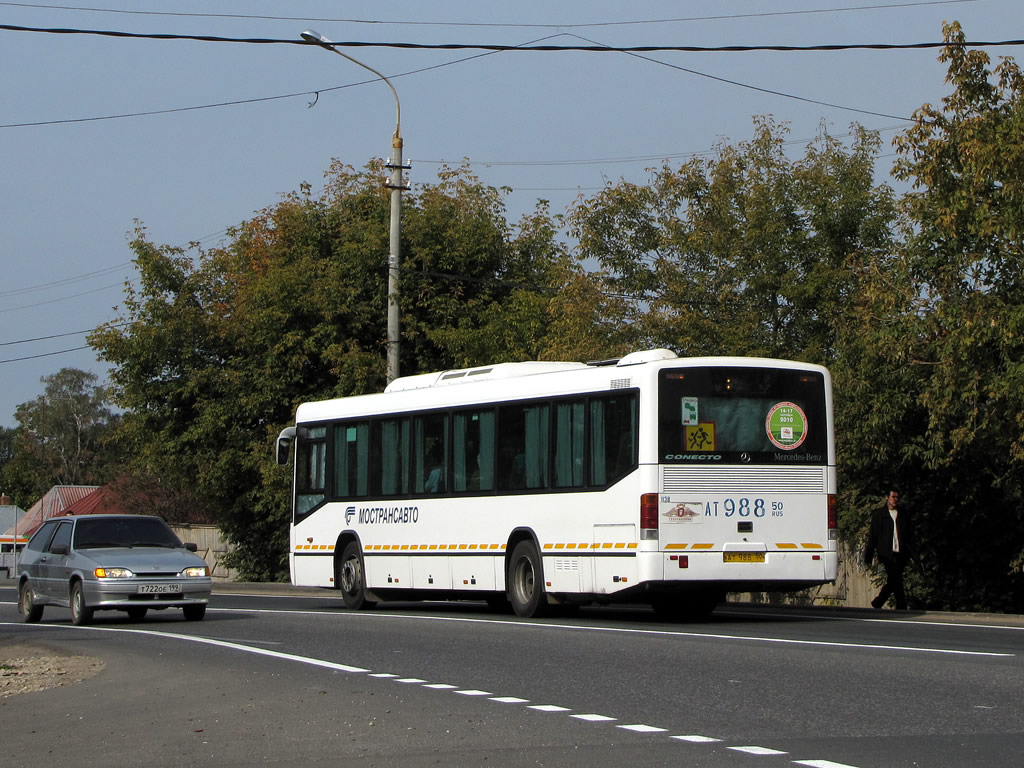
526 581
351 579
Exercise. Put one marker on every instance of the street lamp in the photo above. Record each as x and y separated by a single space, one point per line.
395 185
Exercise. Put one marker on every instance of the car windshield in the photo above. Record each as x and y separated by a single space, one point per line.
124 532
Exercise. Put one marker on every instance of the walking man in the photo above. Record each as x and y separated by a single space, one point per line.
891 537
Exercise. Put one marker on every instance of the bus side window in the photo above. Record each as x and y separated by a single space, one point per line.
523 447
613 438
473 441
351 459
568 448
390 475
310 469
431 450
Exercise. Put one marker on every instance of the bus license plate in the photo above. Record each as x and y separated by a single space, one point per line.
158 589
743 557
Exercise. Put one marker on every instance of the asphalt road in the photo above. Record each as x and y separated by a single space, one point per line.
276 676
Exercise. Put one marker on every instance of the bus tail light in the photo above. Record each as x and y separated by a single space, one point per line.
649 517
833 517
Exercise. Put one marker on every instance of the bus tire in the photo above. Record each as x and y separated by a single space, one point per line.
351 578
525 583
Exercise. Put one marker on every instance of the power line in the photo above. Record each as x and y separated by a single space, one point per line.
45 354
239 102
759 89
62 298
527 48
56 335
500 25
64 281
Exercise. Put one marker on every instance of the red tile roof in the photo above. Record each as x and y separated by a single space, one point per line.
55 502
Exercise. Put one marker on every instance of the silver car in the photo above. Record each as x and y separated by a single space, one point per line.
130 563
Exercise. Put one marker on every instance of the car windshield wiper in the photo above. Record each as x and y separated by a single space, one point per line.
98 544
163 544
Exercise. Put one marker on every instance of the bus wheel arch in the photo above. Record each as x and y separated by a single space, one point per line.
350 573
524 581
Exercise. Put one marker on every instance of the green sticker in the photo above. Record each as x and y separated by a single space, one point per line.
786 425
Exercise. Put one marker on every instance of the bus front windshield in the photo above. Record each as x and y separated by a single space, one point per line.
742 415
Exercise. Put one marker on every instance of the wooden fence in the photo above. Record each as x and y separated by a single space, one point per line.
212 547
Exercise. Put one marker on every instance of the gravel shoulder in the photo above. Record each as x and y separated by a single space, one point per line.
28 668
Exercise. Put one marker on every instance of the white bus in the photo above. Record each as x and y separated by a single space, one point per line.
651 479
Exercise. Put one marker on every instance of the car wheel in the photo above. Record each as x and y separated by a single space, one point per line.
81 614
194 612
137 614
30 612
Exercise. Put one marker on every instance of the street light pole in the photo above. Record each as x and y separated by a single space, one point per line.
396 186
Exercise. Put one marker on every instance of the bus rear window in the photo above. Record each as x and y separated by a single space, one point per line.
742 415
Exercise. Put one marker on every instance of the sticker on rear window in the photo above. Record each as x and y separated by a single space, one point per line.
786 425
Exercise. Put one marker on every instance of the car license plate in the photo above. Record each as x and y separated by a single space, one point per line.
158 589
743 557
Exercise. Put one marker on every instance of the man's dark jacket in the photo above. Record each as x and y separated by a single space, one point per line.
880 536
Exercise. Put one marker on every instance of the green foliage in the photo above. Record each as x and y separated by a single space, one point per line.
745 253
63 438
916 304
965 256
222 345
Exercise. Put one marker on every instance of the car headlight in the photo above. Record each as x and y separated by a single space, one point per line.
196 572
113 573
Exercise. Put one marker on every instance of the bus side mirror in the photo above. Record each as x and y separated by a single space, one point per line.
284 444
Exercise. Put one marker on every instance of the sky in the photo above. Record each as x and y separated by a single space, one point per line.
99 134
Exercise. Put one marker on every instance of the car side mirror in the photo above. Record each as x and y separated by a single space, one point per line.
60 549
191 547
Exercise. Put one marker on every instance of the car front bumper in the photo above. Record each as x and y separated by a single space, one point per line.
131 593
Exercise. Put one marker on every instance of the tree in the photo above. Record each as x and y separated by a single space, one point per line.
965 254
62 436
743 253
221 345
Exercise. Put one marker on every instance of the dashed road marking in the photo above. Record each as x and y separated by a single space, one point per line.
551 708
757 750
640 728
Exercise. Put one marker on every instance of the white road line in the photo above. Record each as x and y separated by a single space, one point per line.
757 750
636 727
640 728
626 630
